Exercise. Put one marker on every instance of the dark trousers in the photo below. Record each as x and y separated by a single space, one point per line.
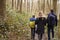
32 33
40 36
40 32
50 29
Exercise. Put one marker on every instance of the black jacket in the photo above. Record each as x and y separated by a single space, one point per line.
40 22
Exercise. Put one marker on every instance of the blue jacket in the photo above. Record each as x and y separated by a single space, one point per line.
32 19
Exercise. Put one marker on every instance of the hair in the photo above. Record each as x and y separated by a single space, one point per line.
52 10
43 15
41 12
33 15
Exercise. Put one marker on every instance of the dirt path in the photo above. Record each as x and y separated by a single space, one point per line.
44 37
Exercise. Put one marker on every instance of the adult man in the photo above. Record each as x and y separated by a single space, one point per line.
51 21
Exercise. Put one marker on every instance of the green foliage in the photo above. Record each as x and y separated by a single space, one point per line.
58 33
15 24
18 22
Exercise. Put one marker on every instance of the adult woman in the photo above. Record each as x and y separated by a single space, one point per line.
40 22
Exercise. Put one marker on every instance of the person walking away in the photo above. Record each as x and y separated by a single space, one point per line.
40 22
51 21
32 26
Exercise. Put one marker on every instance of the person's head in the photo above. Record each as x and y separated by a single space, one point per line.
52 10
33 16
40 14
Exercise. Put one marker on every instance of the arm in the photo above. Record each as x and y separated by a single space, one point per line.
45 21
56 20
36 21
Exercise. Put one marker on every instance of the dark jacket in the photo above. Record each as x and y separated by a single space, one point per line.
53 22
40 22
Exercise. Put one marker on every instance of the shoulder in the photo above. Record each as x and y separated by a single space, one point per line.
37 18
43 18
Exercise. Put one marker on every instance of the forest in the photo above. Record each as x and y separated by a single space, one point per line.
15 15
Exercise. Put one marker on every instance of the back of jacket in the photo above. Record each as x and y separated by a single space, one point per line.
40 22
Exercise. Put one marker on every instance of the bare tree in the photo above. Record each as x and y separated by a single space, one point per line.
2 7
55 5
12 4
18 4
28 5
32 6
15 4
48 4
21 6
43 5
39 4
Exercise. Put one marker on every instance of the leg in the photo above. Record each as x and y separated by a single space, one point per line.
32 33
40 36
52 32
48 33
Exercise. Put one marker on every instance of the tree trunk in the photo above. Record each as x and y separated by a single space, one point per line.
12 4
2 8
28 6
48 4
21 6
24 5
2 14
43 6
55 5
39 4
17 4
32 6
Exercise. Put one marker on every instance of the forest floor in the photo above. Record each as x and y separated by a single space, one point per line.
13 36
22 31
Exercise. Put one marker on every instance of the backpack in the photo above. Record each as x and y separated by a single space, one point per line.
32 24
52 19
